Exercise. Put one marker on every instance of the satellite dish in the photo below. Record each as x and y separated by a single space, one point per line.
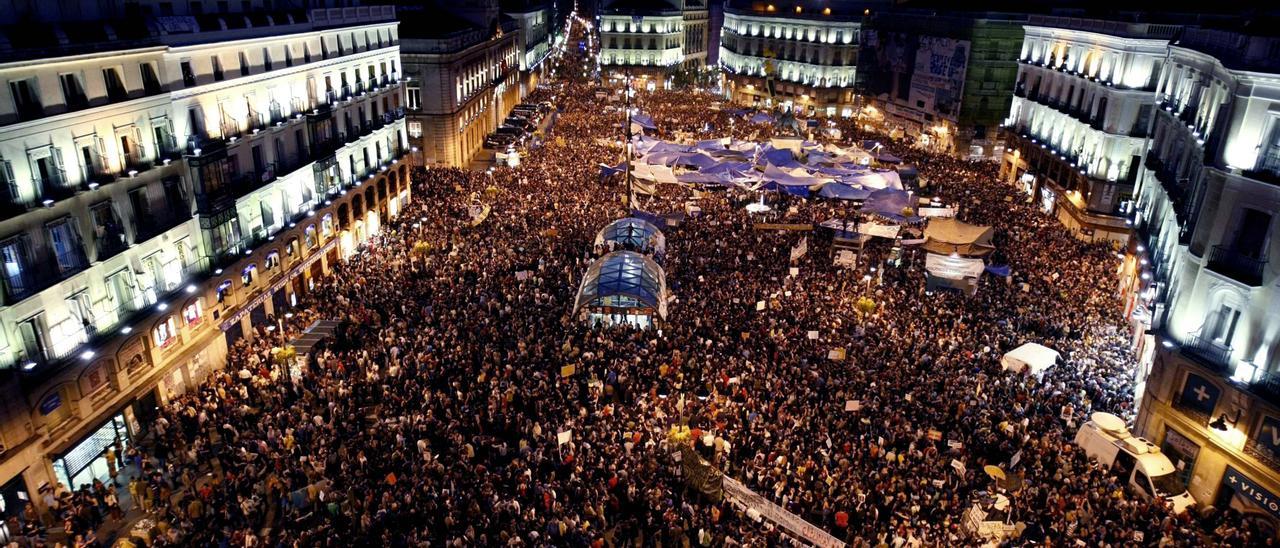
1108 422
994 472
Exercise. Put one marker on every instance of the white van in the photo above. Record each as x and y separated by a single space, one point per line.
1149 472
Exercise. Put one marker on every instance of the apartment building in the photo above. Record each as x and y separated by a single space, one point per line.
534 22
697 33
169 181
1082 105
643 38
943 79
802 57
1204 297
463 65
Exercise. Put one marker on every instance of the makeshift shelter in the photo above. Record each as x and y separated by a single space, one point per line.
890 204
634 234
946 236
623 287
1034 358
952 272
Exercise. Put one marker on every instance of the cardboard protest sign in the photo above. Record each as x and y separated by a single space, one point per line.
568 370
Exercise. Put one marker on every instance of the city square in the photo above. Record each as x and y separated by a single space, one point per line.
624 294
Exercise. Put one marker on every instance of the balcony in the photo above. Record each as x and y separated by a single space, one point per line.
54 187
158 219
134 162
110 240
167 149
1209 353
1239 266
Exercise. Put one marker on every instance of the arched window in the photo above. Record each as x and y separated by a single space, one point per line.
248 274
224 289
193 313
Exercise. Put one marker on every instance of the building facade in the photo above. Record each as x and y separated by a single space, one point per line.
1207 244
643 38
464 79
804 59
945 80
163 193
533 20
1082 106
697 34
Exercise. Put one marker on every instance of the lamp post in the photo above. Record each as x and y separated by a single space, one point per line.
626 129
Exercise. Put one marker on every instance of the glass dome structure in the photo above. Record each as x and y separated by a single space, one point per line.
623 287
634 234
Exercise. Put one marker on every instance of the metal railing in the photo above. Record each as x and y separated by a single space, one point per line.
110 241
54 186
1209 353
1239 266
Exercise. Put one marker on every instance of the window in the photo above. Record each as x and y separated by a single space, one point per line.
326 225
193 313
217 68
291 249
244 64
1224 324
288 55
115 86
272 262
266 59
414 101
188 75
14 256
66 245
224 289
73 92
26 100
165 333
310 235
249 274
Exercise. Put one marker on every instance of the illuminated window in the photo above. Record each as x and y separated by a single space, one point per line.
193 313
248 274
165 333
273 261
310 235
326 225
292 248
223 289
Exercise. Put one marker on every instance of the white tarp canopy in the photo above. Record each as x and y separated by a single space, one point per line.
788 143
880 231
953 268
1034 357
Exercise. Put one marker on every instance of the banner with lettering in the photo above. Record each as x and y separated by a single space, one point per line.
1251 492
1199 394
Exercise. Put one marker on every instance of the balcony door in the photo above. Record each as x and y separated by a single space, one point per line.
1251 236
1223 324
32 332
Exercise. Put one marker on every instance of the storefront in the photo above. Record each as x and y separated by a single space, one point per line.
13 499
1182 452
1249 498
86 460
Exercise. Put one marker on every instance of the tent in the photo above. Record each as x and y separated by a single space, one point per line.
761 118
843 191
947 235
643 120
890 203
1033 357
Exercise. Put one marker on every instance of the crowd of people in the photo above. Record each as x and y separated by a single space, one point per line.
439 413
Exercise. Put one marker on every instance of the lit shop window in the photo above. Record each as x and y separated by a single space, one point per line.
165 333
193 313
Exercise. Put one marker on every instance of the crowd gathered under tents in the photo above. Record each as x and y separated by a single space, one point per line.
443 412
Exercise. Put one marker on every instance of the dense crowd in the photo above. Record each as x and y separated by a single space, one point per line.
433 416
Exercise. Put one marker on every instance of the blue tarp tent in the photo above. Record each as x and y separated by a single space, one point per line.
843 192
889 203
780 157
643 120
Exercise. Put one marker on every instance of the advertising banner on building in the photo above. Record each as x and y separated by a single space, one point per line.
1250 492
1198 394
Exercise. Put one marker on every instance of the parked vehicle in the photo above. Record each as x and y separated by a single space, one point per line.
1140 463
